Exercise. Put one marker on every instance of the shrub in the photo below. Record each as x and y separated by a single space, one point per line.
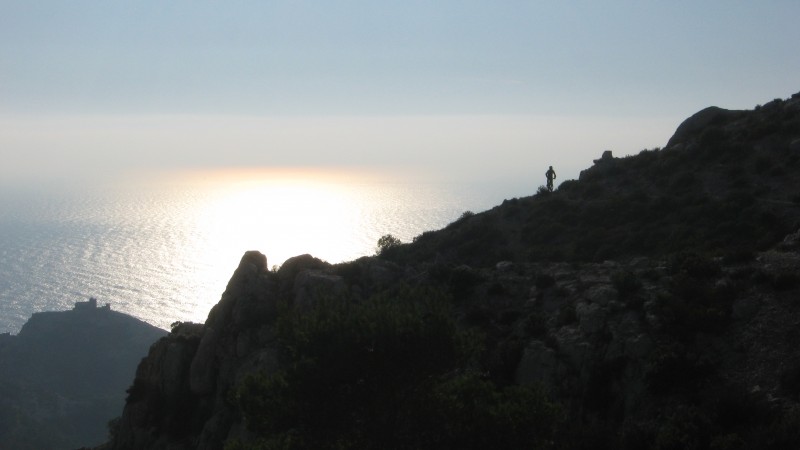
568 186
785 281
712 137
697 306
470 413
544 281
384 373
738 256
626 283
465 215
354 369
684 428
651 275
426 235
694 265
386 243
672 369
566 315
462 279
113 426
496 289
536 326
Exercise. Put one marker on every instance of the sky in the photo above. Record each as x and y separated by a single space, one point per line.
448 89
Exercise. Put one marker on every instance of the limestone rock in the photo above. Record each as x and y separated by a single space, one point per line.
240 302
791 241
202 372
293 266
504 266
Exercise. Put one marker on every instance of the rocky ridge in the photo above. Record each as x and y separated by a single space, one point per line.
687 341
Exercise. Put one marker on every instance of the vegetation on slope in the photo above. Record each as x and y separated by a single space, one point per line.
720 189
389 372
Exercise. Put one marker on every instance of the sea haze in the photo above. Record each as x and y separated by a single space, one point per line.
163 250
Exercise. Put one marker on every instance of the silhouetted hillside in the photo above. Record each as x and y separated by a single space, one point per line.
727 183
652 304
63 377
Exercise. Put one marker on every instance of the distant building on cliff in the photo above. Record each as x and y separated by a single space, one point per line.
91 305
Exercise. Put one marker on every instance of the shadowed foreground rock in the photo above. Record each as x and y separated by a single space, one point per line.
179 398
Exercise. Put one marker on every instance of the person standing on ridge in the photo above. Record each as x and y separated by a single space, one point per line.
551 175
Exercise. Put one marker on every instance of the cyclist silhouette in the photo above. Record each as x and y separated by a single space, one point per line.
551 175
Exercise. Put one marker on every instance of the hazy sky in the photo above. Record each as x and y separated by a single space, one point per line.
462 89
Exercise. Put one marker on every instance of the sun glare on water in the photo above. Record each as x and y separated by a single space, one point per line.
190 230
282 217
163 246
279 213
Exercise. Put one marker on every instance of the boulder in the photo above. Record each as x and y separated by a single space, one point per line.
245 287
699 121
504 266
606 157
293 266
791 240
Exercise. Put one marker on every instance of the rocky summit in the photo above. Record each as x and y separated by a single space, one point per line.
651 304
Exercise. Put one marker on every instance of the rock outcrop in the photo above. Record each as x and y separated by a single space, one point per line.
700 121
179 398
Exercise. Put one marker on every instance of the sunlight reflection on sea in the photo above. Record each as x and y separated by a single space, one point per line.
163 250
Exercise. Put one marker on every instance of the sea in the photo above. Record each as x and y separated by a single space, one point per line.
162 249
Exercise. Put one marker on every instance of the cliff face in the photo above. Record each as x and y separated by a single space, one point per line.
179 393
181 396
685 339
64 374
